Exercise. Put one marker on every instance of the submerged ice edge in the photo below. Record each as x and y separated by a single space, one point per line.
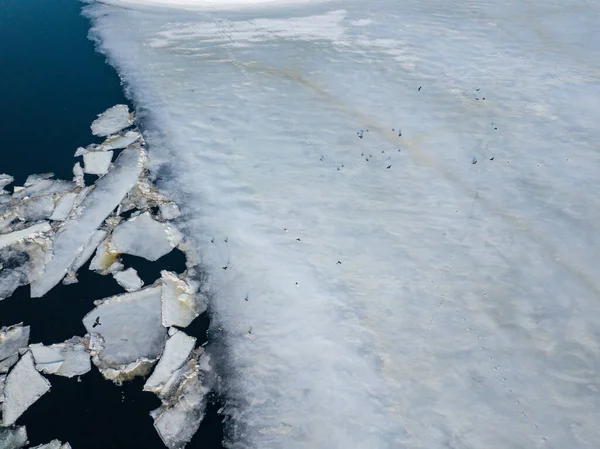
464 290
127 333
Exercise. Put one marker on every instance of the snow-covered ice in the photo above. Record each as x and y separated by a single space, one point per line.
13 438
130 325
54 444
24 386
97 162
66 359
112 121
169 211
464 308
72 238
176 353
129 279
181 304
134 237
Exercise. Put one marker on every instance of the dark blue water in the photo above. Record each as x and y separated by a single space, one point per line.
52 86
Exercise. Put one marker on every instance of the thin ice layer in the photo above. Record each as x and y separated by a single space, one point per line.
129 280
181 304
13 438
177 350
130 325
70 241
24 386
112 121
97 162
465 292
66 359
133 237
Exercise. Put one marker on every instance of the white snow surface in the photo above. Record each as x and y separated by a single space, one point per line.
465 307
74 235
128 279
24 386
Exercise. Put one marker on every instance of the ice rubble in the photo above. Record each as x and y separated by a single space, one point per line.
24 386
73 236
4 181
27 233
181 302
97 162
13 438
112 121
67 359
54 444
128 279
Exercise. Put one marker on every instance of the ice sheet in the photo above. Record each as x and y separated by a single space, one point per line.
177 350
112 121
97 162
13 438
130 325
134 235
24 386
463 311
129 279
71 240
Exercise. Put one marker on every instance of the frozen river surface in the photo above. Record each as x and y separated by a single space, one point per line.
434 289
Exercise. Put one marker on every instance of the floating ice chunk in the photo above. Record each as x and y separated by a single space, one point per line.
13 338
131 329
13 438
129 280
44 187
66 359
54 444
5 180
64 207
97 162
178 419
70 241
36 208
104 257
88 250
180 302
27 233
26 259
8 362
24 386
177 351
34 179
116 142
145 237
78 175
169 211
112 121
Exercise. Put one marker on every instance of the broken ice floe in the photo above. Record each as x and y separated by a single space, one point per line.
169 211
112 121
78 175
4 181
12 338
66 359
178 419
54 444
128 279
27 233
181 302
133 237
177 350
132 333
14 438
97 162
24 386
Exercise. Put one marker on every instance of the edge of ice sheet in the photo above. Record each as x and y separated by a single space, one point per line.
212 5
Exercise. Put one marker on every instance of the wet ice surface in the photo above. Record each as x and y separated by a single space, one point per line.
464 309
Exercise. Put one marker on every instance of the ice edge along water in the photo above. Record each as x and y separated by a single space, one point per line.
126 333
456 189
